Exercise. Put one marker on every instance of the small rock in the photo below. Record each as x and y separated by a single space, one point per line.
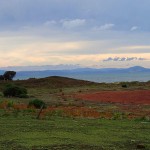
140 146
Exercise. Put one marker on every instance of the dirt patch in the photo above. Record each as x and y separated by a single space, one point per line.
125 97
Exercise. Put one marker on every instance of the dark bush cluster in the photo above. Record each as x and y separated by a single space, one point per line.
15 91
37 103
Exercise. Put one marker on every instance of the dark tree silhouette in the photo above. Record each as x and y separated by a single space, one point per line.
1 77
9 75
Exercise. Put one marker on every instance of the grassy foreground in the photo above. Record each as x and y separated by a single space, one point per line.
58 133
65 124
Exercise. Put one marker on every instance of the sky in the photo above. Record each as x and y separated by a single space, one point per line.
93 33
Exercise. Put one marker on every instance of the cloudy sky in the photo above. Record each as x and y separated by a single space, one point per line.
97 33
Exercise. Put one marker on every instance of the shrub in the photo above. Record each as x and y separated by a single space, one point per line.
10 104
15 91
37 103
124 85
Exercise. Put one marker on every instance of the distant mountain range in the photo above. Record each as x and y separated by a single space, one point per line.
41 68
78 72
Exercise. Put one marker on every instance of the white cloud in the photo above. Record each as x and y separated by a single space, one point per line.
69 24
50 22
105 27
134 28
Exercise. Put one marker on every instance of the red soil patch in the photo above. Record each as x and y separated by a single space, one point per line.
126 97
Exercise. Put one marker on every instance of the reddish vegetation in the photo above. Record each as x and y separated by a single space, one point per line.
126 97
20 106
70 111
119 111
127 111
73 111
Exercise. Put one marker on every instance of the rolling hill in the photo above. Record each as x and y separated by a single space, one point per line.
53 82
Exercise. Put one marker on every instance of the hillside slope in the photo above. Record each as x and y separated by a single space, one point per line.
53 82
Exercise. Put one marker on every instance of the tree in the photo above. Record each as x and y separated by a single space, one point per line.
9 75
1 77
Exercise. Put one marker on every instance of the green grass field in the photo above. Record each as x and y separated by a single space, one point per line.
23 133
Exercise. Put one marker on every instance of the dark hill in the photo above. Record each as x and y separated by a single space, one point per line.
53 82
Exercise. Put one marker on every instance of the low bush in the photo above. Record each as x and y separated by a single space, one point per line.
10 104
37 103
15 91
124 85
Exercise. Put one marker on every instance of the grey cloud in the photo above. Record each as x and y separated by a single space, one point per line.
108 59
123 59
142 59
